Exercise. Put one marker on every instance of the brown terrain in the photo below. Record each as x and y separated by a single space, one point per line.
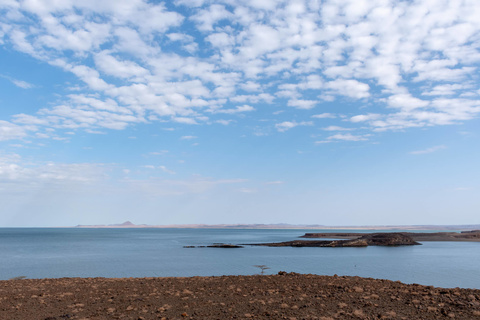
282 296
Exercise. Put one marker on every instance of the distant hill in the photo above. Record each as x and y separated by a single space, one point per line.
128 224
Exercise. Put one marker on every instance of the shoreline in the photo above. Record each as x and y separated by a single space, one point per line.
282 227
281 296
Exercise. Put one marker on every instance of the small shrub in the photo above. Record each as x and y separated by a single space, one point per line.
262 267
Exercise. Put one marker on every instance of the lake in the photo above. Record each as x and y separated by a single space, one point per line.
76 252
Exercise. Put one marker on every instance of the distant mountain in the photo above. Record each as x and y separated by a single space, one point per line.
128 224
125 224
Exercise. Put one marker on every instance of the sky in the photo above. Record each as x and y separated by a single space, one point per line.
332 112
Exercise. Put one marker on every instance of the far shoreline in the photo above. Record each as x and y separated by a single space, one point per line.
281 226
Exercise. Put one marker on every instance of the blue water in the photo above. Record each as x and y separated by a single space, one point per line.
55 253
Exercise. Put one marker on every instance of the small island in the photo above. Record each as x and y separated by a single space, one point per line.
217 245
356 239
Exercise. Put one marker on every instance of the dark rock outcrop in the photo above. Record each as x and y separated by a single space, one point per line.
370 239
473 235
217 245
224 245
388 239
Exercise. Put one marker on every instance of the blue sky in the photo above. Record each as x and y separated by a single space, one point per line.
352 112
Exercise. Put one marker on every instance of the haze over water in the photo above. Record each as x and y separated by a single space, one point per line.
54 253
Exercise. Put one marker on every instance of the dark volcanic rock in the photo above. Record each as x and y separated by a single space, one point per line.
370 239
217 245
224 245
388 239
473 235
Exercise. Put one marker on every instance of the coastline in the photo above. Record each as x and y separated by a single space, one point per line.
282 296
284 226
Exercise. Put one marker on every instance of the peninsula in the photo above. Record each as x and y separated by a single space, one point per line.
473 235
369 239
357 239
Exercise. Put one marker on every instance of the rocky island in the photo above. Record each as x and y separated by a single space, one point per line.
364 240
357 239
473 235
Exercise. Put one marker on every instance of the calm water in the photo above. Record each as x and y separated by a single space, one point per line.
53 253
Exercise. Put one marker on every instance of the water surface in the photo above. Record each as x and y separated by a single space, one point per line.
55 253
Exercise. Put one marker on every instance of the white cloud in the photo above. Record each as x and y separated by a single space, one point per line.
206 18
266 97
345 137
21 44
247 190
429 150
188 137
324 116
90 76
238 109
22 84
159 153
350 88
441 70
287 125
134 60
278 182
122 69
365 117
336 128
14 170
406 102
250 86
164 169
349 137
302 104
189 3
446 89
224 122
19 83
10 131
131 42
260 40
189 44
185 120
180 37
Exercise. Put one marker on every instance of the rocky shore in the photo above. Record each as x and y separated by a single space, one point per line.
283 296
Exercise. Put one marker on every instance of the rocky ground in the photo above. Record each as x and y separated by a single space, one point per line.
282 296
